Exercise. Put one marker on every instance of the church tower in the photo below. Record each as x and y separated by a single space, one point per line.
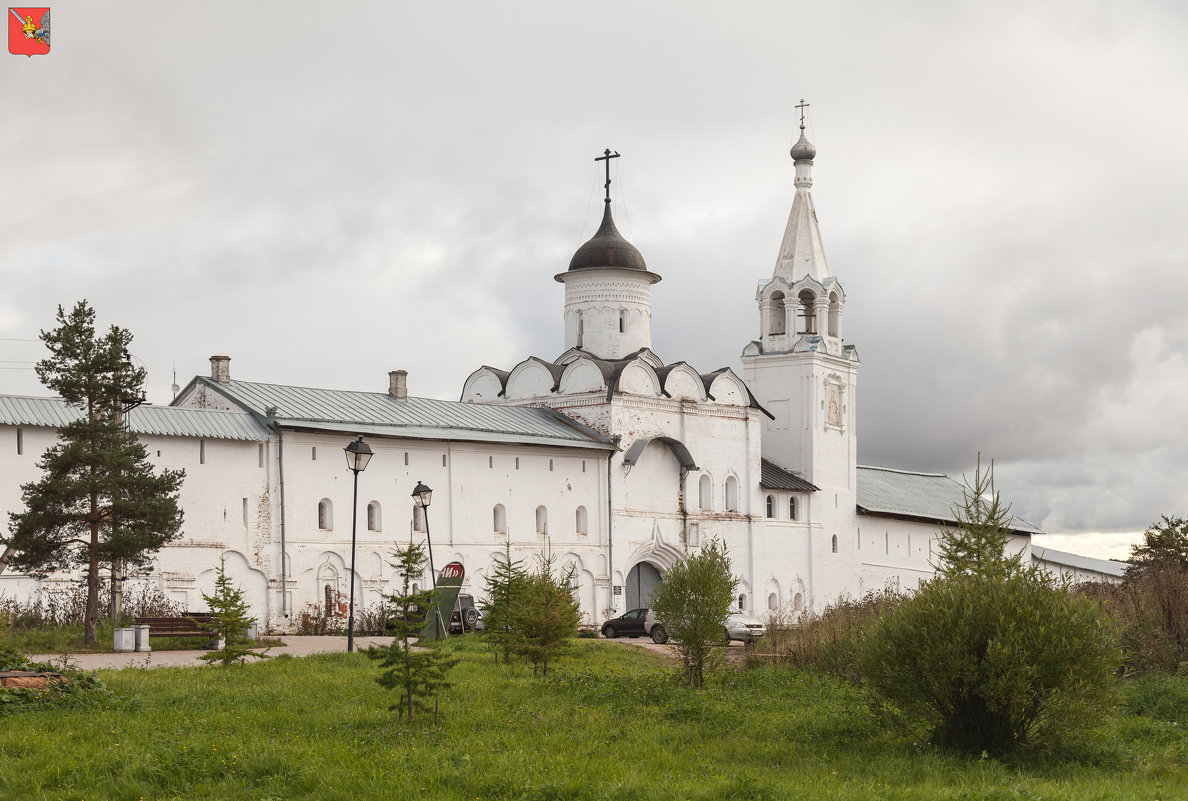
608 291
799 369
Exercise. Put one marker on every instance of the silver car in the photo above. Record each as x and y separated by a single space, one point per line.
743 627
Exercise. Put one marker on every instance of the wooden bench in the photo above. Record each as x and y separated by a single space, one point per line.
185 626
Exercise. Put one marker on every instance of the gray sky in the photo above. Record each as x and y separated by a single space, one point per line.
326 192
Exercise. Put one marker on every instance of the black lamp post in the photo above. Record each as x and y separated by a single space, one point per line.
422 495
358 454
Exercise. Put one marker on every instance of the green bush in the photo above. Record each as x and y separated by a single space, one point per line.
989 662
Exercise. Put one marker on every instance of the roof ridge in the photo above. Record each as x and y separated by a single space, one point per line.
901 472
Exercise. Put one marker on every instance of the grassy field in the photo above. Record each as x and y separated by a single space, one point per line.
608 724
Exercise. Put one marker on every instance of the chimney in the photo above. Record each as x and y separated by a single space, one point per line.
220 369
398 384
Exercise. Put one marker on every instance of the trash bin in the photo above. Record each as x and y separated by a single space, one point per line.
125 640
142 638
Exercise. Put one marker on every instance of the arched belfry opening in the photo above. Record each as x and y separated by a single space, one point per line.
777 315
807 314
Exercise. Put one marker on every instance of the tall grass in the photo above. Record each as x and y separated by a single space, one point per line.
610 722
828 640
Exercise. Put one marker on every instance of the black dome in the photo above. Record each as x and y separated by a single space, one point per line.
607 249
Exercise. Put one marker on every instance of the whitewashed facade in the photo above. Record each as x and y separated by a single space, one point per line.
617 463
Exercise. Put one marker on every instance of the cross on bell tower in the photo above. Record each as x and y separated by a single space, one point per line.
607 156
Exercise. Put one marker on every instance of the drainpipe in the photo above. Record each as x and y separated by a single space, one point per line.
610 524
280 457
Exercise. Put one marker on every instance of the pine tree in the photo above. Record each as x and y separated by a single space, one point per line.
977 545
550 614
230 620
507 582
99 500
417 674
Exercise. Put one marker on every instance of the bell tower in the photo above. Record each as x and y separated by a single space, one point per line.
799 368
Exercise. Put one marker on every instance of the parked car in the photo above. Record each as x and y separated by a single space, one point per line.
635 623
742 627
466 613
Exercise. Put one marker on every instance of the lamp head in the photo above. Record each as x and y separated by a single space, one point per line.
358 454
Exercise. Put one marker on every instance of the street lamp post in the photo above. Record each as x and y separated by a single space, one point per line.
358 454
422 495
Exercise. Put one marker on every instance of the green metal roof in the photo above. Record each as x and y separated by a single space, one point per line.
381 414
929 496
166 421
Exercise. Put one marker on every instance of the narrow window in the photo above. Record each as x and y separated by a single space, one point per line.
705 492
886 542
158 454
731 494
694 535
201 451
770 506
583 465
418 518
325 515
742 603
791 508
581 329
542 520
20 442
517 462
550 465
259 454
313 453
835 543
406 457
622 321
582 526
245 522
500 515
490 461
373 516
443 460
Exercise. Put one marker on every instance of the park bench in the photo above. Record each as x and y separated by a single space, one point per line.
187 625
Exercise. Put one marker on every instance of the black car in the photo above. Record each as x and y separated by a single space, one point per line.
466 617
636 623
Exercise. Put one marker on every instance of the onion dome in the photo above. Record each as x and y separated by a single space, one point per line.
803 150
607 249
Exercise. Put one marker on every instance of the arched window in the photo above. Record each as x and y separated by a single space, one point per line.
808 312
742 602
791 508
582 525
731 494
835 543
770 506
325 514
797 602
581 329
834 315
705 492
777 317
373 516
773 602
542 520
418 518
500 515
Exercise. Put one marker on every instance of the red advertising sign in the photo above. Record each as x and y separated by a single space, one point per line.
453 570
29 31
